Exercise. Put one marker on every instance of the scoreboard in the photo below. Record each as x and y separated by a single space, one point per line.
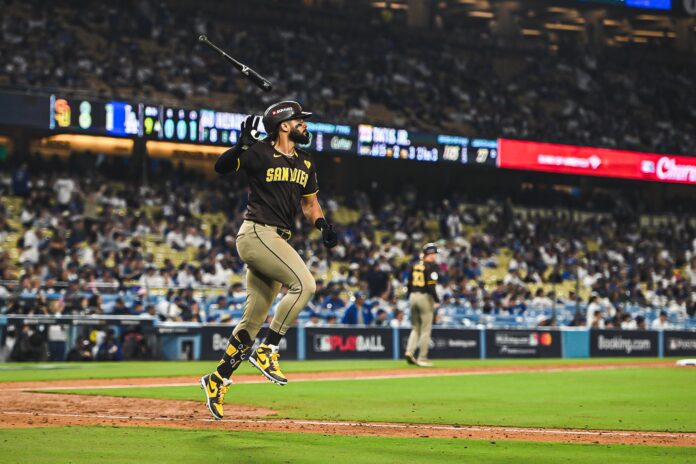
70 114
122 119
169 123
219 127
93 117
76 114
387 142
484 152
336 138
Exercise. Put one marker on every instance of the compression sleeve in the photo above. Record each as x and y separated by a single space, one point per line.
229 161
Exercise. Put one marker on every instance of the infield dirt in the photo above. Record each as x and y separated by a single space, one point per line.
55 410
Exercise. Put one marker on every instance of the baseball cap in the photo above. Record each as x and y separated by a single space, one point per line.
282 111
429 248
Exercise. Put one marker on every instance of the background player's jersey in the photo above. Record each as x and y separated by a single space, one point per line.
277 183
423 278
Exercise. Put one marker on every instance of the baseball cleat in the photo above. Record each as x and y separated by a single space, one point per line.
410 359
215 388
265 359
424 363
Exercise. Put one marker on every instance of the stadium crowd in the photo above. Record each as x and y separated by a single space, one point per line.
453 80
85 246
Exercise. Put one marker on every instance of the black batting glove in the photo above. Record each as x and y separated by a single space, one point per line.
250 133
328 235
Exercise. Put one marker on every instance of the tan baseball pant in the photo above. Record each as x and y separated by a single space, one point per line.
421 324
271 262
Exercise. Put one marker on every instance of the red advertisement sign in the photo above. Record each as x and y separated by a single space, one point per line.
587 161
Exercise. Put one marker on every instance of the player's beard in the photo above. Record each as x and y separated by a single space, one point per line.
300 138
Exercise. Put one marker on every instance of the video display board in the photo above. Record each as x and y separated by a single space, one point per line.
69 114
648 4
602 162
393 143
77 114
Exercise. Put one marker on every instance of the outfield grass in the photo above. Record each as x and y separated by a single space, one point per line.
118 445
627 399
15 372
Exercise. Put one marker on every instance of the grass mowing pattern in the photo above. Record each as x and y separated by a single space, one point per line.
13 372
117 445
627 399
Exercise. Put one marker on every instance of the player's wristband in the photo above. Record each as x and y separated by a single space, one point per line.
321 224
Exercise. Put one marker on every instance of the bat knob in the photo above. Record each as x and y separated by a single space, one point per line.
202 38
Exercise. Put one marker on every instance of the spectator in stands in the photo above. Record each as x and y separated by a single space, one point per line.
541 301
94 306
628 323
381 318
175 239
314 320
120 308
377 279
20 181
640 322
593 308
358 312
64 188
398 321
137 309
5 228
597 322
151 279
192 313
151 311
662 322
331 319
333 300
237 291
639 276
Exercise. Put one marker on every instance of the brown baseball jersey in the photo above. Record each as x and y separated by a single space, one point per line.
423 278
277 183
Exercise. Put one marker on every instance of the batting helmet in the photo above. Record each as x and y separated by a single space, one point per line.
283 111
429 248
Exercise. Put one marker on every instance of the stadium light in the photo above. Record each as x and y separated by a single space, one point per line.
563 27
647 33
481 14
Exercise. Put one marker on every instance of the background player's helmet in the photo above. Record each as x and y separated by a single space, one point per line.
429 248
282 111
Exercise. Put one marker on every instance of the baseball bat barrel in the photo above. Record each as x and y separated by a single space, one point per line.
249 73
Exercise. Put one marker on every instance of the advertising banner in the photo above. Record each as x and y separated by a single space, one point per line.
679 343
603 162
448 343
91 321
523 344
214 341
625 343
348 343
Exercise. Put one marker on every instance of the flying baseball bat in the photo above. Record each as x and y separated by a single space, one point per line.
252 75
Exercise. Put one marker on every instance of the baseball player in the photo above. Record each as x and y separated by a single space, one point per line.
422 299
282 179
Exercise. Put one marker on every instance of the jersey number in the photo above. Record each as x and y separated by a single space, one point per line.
418 279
